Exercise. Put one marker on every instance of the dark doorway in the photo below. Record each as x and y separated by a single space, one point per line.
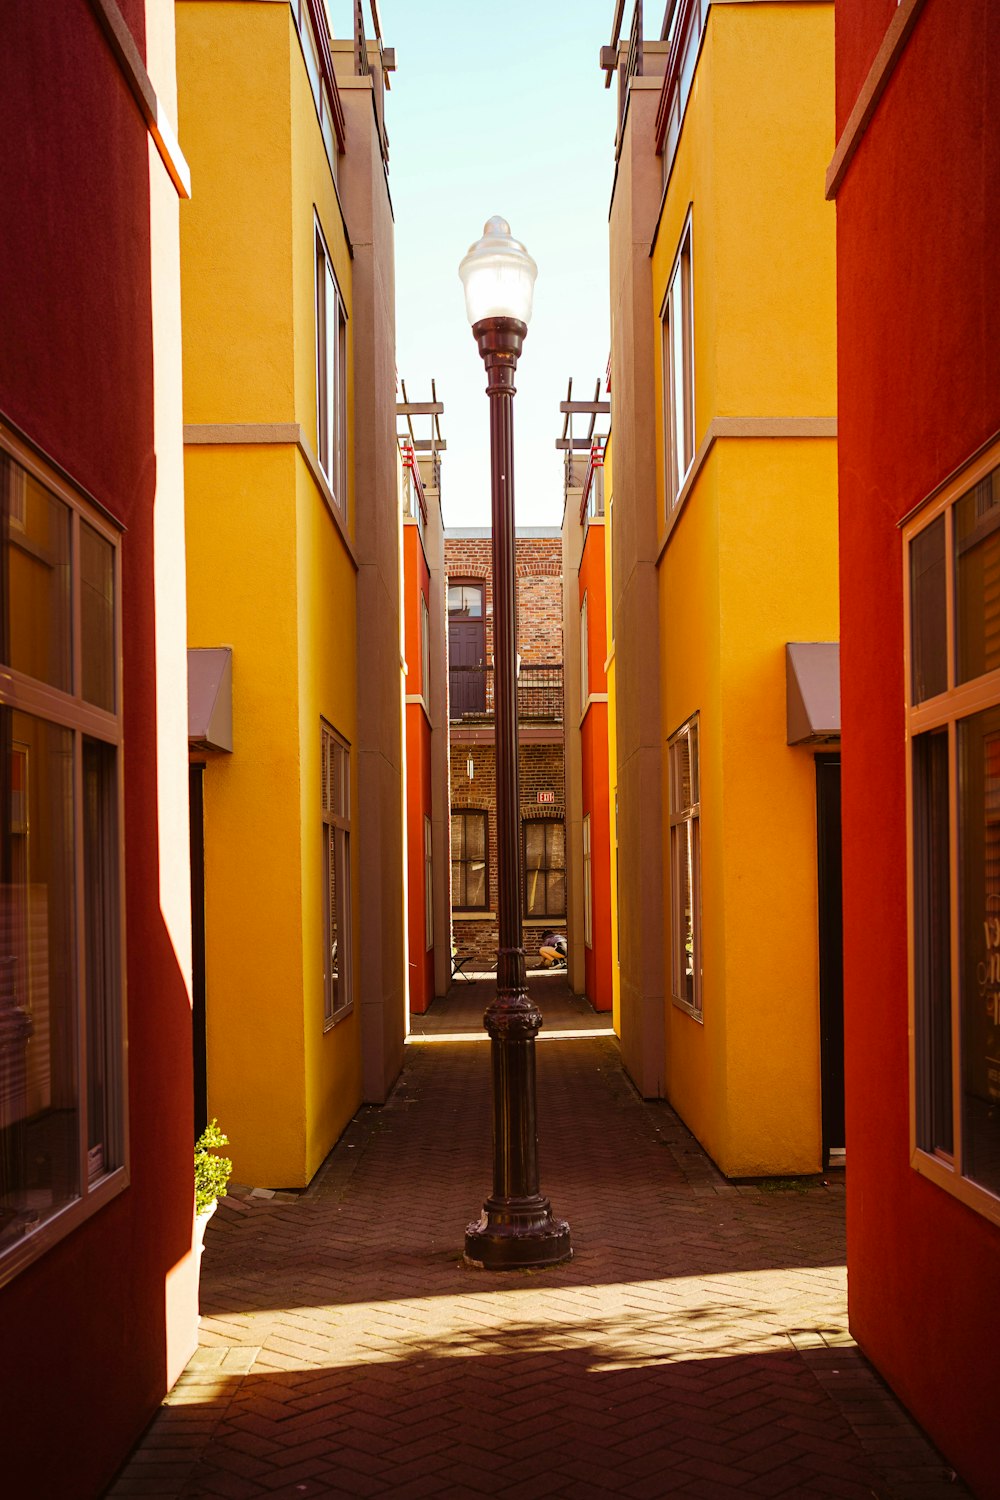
831 955
466 649
196 786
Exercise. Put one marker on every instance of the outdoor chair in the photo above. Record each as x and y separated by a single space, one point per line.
458 967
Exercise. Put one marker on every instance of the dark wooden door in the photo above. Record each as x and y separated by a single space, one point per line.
466 674
831 952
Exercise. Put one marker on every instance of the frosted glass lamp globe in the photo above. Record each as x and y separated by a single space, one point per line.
498 275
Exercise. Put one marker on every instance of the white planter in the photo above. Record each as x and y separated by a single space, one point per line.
200 1225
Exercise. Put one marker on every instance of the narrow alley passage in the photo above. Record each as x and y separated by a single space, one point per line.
695 1346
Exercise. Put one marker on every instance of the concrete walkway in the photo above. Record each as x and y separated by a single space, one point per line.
695 1346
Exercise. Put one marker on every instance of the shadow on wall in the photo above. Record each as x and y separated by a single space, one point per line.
85 1327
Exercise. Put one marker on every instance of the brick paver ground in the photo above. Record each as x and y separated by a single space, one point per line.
696 1345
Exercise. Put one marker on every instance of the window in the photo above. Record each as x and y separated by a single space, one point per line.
469 885
428 886
685 868
425 650
317 82
584 658
678 373
336 813
62 1060
588 894
544 868
466 650
331 365
952 583
465 600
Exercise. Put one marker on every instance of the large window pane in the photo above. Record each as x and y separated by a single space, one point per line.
979 854
97 612
928 612
544 869
977 566
685 860
39 1107
35 633
932 941
336 807
465 599
682 879
468 861
331 381
322 372
105 1146
475 888
678 374
475 836
332 955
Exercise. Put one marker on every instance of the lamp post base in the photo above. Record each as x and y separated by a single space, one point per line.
515 1234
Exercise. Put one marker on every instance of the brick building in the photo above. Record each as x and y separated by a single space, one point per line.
468 566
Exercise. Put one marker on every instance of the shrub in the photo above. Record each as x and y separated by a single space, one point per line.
211 1172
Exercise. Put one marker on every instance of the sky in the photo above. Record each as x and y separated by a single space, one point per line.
499 107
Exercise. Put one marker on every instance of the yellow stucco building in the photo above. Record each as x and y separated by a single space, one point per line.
723 407
293 560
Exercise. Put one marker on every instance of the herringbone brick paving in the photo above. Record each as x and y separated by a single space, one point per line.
696 1346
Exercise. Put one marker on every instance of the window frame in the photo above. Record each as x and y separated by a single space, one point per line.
588 875
942 711
584 655
331 369
476 812
317 83
675 473
336 845
545 822
70 711
429 884
425 650
686 815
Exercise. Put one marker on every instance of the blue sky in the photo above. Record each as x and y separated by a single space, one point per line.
499 107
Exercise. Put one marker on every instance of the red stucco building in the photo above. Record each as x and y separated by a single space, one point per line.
916 177
428 907
98 1302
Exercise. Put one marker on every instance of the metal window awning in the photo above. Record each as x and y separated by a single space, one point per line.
812 687
210 697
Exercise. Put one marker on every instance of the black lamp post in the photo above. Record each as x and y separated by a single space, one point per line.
517 1227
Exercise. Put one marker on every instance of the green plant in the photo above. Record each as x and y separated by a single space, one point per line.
211 1172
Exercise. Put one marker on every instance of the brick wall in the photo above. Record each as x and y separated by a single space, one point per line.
541 769
539 590
541 766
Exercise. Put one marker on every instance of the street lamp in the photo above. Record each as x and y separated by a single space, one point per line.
517 1227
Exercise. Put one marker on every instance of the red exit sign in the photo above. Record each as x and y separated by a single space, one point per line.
546 796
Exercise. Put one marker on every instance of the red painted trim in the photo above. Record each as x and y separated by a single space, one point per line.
596 461
319 24
409 459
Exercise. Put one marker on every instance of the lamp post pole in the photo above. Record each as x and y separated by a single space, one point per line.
517 1227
